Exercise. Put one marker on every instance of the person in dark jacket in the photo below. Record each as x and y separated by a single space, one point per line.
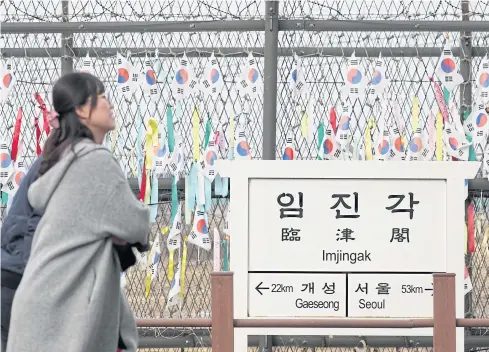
17 231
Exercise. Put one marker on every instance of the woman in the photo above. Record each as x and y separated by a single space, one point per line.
69 298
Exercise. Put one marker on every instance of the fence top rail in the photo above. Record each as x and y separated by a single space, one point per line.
334 323
244 25
308 323
369 52
473 323
174 323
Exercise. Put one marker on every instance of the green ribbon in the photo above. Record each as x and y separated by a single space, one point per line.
320 138
225 259
446 95
208 130
472 155
4 198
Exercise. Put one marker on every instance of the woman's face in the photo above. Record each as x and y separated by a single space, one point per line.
101 119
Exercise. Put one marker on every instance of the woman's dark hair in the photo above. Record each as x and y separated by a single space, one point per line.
70 92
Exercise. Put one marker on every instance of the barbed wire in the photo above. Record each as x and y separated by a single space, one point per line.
312 9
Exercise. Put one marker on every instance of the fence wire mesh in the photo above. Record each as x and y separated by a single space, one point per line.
324 58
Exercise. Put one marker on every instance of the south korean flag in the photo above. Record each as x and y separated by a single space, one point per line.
241 147
199 235
208 161
482 81
379 82
289 151
398 151
212 82
251 80
446 70
184 81
149 86
127 77
476 125
415 147
343 131
176 159
355 80
6 163
456 144
13 182
7 79
173 240
330 148
297 78
160 154
383 146
87 65
427 152
174 293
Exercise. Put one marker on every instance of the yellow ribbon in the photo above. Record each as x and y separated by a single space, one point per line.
170 258
151 141
415 114
148 284
184 267
148 274
368 142
439 136
196 134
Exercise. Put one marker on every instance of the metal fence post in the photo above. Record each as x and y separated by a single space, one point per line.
66 42
466 62
444 332
466 105
270 104
222 311
270 81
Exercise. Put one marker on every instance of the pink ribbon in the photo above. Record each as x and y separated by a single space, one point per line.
440 100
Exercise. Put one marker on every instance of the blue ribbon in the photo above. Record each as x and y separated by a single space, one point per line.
193 186
154 199
207 194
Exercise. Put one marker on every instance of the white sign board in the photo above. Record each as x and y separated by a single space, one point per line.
294 220
390 295
291 295
357 225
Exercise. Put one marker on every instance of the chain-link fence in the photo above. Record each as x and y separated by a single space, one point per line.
410 56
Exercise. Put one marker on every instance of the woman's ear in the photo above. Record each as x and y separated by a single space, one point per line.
83 111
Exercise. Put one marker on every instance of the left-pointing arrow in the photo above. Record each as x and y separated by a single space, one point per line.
259 288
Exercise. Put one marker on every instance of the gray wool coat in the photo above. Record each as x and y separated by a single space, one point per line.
69 299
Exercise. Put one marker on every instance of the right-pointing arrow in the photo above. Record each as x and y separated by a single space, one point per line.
259 288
